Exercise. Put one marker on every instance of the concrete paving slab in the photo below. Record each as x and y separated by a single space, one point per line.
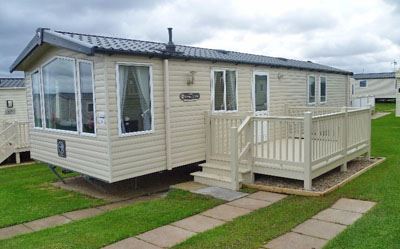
114 205
249 203
12 231
198 223
226 212
296 241
131 243
320 229
189 186
267 196
221 193
353 205
51 221
338 216
84 213
166 236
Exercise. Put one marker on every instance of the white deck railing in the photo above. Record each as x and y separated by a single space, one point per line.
290 146
363 101
14 137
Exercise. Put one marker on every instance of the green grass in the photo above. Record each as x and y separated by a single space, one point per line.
26 194
380 228
115 225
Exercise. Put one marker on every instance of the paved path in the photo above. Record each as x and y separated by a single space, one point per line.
317 231
172 234
377 115
61 219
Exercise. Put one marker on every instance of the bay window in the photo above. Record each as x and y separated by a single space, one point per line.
66 91
135 99
322 89
224 90
311 90
59 94
36 99
85 78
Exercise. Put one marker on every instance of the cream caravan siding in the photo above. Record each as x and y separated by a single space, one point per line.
18 96
187 118
138 154
380 88
87 155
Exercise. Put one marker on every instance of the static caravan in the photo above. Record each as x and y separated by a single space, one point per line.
114 109
382 86
14 137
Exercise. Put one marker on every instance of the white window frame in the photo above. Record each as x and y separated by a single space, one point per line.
326 89
77 97
308 90
37 70
80 95
136 133
213 87
261 73
366 84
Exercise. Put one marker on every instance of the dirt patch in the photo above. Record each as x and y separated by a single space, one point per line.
128 189
322 183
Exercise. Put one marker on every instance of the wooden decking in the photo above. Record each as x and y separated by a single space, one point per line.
14 138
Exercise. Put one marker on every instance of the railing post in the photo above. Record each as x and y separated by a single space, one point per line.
307 150
250 158
234 158
343 168
17 134
207 127
286 109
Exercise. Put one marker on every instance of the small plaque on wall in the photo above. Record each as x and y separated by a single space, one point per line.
61 148
187 97
10 111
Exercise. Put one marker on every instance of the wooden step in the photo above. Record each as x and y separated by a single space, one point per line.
224 167
212 180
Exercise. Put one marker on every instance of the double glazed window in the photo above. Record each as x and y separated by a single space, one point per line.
363 83
61 98
224 90
322 89
261 92
135 99
311 89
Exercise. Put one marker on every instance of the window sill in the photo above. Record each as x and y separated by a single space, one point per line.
138 133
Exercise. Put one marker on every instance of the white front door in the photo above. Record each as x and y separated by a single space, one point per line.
261 103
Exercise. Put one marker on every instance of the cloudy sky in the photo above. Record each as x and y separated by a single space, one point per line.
354 35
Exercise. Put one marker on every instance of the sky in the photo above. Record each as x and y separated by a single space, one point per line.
355 35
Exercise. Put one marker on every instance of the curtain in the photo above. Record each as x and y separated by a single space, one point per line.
123 81
142 80
230 77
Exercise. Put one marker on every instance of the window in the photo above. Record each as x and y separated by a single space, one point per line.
59 94
224 87
311 90
135 98
261 92
322 89
37 114
363 83
86 97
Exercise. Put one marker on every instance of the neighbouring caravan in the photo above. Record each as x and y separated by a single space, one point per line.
382 86
115 108
14 136
13 106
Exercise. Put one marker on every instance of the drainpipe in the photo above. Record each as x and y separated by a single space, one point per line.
167 115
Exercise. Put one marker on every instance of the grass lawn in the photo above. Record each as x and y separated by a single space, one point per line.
380 228
26 194
115 225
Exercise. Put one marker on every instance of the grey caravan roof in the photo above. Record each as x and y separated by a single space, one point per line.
11 82
366 76
91 44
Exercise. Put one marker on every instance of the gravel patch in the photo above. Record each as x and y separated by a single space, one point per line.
321 183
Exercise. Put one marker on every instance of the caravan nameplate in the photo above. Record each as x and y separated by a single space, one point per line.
186 97
61 148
